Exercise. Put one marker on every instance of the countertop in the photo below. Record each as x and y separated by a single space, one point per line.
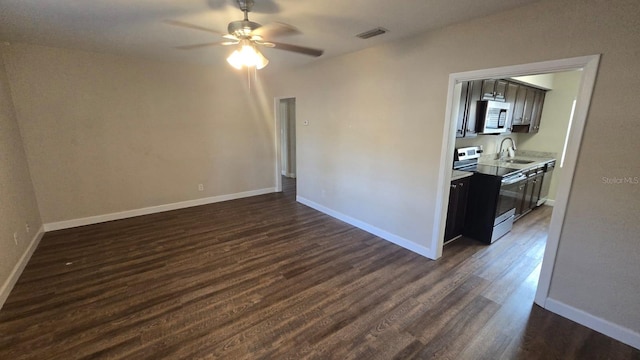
457 174
534 162
488 165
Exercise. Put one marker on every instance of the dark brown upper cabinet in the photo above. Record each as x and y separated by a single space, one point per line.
462 109
512 92
528 106
525 110
536 116
518 105
528 109
495 90
467 115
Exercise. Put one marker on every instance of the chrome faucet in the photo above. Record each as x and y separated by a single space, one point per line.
499 154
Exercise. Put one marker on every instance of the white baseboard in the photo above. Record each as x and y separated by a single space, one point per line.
608 328
6 288
550 202
409 245
152 210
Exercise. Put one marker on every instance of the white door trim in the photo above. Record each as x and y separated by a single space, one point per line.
589 66
583 100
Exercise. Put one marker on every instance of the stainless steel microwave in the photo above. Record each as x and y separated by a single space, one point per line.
492 117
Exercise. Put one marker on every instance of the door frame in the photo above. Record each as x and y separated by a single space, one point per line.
589 67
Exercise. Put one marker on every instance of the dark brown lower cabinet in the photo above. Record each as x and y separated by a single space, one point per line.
536 185
457 211
529 191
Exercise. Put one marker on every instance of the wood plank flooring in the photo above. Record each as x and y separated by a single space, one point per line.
268 278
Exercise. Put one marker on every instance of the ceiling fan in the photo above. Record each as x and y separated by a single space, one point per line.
250 35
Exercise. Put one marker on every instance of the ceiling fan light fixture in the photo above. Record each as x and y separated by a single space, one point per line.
248 56
250 36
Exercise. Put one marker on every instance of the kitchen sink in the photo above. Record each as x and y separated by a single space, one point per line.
518 161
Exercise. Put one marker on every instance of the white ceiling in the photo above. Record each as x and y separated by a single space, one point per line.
136 27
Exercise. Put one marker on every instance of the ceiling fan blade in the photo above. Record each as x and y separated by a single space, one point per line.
191 26
298 49
264 43
275 29
197 46
230 37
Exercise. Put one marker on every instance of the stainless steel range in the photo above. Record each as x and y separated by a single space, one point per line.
493 196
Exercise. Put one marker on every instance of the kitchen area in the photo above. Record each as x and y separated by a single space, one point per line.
510 141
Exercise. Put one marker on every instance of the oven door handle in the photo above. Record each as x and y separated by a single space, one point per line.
513 180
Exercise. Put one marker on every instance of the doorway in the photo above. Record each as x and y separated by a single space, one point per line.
588 65
286 168
288 137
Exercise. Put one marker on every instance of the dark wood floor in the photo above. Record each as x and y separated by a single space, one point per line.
266 277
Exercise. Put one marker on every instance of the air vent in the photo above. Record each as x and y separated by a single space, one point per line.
373 32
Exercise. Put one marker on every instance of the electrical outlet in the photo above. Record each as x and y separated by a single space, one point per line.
26 226
15 237
200 187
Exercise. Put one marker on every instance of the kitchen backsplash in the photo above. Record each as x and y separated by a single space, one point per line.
533 153
527 153
490 143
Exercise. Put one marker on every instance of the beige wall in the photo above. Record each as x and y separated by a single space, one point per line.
106 134
17 198
555 121
372 148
